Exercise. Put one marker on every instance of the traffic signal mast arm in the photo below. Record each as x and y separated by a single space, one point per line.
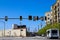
14 18
29 18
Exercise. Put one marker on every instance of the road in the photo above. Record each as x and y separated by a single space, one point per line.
25 38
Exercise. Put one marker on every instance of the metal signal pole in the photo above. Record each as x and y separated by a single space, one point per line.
4 27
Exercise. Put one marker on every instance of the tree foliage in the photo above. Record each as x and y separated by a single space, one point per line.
49 26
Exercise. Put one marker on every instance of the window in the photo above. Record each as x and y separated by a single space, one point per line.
48 32
58 9
55 12
48 15
55 7
48 22
58 4
58 14
59 20
48 18
21 30
51 20
56 17
54 32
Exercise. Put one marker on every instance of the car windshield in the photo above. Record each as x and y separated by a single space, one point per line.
54 32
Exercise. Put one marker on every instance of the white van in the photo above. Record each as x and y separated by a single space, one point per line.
52 33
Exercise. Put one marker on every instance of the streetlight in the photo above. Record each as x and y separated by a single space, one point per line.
4 26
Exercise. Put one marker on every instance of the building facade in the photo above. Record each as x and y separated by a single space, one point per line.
48 17
54 14
17 31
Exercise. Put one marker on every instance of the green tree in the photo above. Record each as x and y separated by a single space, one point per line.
48 26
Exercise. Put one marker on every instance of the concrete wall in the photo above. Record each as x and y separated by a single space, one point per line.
13 32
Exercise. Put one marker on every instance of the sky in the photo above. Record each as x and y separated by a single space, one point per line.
24 8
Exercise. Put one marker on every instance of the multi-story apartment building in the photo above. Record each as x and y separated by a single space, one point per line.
48 17
55 13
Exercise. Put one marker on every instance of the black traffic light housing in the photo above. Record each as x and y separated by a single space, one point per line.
6 18
35 18
20 17
30 17
45 18
42 18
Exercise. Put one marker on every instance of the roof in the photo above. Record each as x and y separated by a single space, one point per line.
20 26
53 29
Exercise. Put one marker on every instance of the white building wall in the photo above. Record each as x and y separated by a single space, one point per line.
49 17
23 33
1 33
13 32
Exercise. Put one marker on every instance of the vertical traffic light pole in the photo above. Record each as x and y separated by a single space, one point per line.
20 30
20 24
4 27
6 18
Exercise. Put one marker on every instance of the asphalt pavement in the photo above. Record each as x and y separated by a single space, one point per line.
26 38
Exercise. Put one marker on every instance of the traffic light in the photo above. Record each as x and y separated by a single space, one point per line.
30 17
20 17
6 18
45 18
42 18
35 18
